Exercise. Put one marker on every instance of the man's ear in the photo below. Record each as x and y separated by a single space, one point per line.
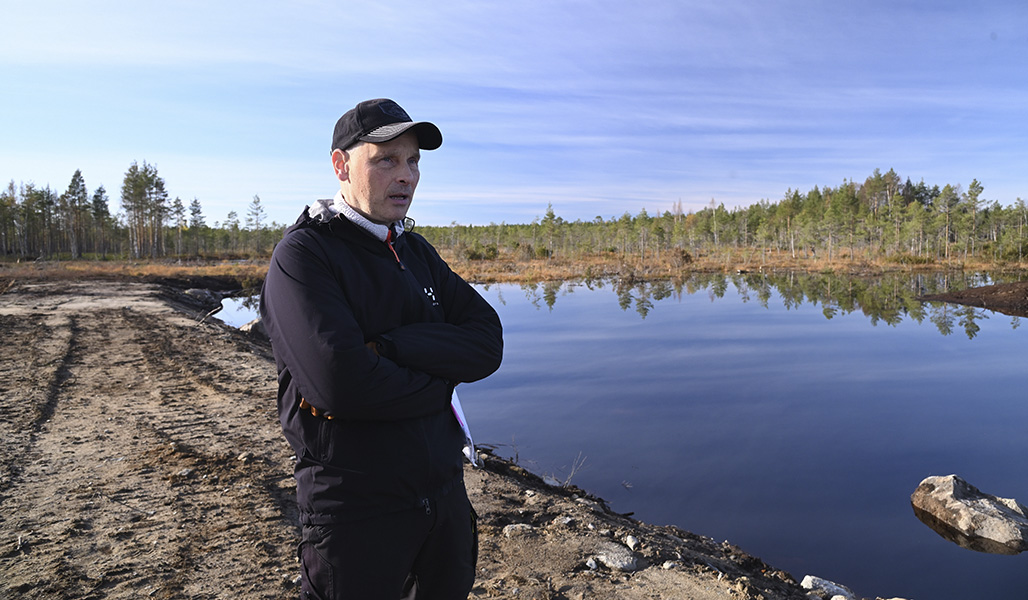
341 164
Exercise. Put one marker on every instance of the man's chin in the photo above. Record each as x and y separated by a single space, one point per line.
397 216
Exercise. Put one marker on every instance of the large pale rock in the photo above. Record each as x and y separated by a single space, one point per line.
965 515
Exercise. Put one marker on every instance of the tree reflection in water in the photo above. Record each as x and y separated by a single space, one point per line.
888 298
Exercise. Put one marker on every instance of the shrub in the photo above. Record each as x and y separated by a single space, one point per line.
909 259
680 257
479 252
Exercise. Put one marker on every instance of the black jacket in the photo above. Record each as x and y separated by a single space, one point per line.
392 441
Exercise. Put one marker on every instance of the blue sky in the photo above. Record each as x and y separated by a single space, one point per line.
597 107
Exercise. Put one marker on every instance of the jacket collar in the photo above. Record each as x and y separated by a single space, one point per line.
323 211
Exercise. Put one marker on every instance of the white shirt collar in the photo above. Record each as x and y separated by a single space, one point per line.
324 210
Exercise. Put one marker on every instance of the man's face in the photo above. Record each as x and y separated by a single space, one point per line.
378 180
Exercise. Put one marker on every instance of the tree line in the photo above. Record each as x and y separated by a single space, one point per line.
883 217
42 223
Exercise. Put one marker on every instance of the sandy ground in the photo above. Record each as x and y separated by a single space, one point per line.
141 457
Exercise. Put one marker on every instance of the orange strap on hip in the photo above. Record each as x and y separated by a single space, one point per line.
307 406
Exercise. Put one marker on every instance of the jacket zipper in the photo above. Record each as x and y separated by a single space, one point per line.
389 242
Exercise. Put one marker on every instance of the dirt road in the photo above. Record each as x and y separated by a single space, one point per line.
141 457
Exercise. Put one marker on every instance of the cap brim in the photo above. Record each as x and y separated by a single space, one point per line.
429 136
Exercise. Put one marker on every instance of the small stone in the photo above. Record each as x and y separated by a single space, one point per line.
591 563
617 557
255 329
668 565
245 457
587 502
517 529
827 589
632 542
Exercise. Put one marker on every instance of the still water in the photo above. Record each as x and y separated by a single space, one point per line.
791 415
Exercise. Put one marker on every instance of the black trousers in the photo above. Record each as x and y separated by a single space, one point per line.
371 559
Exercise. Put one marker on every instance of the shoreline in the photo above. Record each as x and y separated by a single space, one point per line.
146 493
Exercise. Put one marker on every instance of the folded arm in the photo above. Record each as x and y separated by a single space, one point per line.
316 336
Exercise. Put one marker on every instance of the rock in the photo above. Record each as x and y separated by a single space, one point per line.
632 542
617 557
827 589
255 329
963 514
517 529
203 297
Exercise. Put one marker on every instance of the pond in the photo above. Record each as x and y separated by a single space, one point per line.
791 414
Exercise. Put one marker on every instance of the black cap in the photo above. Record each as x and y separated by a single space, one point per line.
379 121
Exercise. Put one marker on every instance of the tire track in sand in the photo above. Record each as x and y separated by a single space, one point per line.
147 464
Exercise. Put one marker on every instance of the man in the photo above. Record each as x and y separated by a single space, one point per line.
371 331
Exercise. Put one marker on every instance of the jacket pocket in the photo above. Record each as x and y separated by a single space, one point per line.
325 441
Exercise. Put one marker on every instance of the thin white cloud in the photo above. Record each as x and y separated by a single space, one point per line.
593 105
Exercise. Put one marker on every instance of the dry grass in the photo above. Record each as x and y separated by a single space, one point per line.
248 274
243 274
724 261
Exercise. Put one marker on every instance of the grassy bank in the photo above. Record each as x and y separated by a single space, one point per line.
249 273
672 265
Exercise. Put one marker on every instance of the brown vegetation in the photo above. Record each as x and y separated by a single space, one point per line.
248 274
215 275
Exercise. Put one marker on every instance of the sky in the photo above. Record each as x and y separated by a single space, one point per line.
596 108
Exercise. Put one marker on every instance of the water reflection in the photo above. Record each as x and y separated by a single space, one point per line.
950 533
887 299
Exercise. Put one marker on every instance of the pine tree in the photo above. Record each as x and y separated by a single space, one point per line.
178 215
74 205
255 222
101 214
197 226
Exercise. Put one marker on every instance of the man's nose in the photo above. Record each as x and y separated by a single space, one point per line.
406 174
